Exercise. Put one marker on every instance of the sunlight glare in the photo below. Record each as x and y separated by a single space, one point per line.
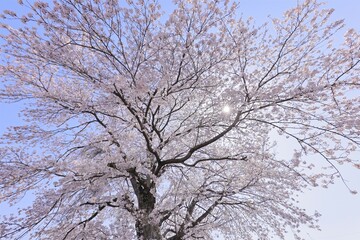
226 109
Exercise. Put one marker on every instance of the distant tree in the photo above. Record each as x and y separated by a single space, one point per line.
145 124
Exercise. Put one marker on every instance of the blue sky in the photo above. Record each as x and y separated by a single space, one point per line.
340 209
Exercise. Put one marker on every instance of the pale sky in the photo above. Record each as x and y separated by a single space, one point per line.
340 210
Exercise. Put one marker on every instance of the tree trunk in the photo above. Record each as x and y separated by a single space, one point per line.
146 228
147 231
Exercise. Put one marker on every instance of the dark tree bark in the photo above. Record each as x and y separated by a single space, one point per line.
143 186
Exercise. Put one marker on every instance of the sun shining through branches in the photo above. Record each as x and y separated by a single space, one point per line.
158 125
226 109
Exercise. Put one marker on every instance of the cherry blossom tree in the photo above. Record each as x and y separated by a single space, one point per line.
147 124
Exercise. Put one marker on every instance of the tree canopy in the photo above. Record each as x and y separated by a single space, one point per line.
150 123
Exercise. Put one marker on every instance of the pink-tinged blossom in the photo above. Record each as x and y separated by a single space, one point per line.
151 125
10 13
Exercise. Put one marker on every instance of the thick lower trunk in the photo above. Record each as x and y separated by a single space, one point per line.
146 228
